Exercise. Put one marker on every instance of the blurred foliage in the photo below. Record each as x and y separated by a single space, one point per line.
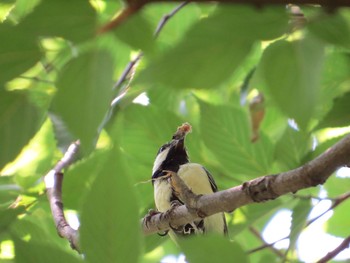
206 67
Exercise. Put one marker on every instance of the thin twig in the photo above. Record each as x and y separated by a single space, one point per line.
337 202
258 235
166 17
266 245
53 183
343 245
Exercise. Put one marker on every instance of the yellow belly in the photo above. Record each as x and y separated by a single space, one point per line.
196 179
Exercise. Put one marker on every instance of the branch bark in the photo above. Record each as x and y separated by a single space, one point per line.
260 189
53 183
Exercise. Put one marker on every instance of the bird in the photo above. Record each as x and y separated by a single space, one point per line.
173 157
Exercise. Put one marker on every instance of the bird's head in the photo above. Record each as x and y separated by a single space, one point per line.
172 154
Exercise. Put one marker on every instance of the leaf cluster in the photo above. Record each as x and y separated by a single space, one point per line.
57 82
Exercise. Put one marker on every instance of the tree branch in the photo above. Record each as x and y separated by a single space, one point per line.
53 183
344 245
260 189
135 6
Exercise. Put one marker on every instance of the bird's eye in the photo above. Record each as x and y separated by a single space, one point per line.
162 149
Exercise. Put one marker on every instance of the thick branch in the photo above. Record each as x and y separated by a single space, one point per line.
53 182
258 190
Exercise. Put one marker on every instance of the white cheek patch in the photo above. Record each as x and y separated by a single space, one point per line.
160 159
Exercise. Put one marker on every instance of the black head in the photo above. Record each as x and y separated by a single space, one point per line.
170 156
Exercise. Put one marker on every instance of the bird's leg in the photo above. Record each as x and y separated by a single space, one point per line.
189 198
147 218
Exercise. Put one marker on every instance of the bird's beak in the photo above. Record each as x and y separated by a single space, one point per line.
179 136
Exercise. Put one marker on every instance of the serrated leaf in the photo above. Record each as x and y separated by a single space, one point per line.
291 148
299 217
18 52
213 48
339 222
333 28
110 227
210 249
41 253
74 21
292 72
84 94
19 120
226 132
339 115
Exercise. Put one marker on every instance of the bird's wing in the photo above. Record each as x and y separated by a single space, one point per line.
211 180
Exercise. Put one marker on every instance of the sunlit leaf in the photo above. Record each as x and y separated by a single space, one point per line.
337 186
84 94
19 120
337 224
292 71
110 228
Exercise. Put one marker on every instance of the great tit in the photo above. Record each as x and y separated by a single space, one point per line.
173 156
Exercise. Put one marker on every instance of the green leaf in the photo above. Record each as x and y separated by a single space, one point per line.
84 94
18 52
339 115
19 120
226 132
141 134
42 253
74 21
36 157
299 217
212 249
333 28
79 178
136 32
251 214
292 72
291 148
110 227
335 79
9 216
213 48
9 191
336 186
339 222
